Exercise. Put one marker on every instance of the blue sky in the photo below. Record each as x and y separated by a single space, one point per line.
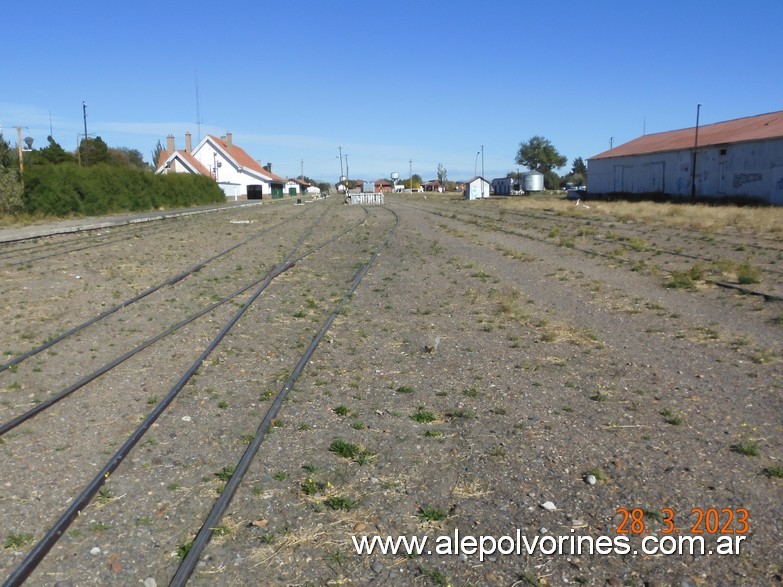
389 82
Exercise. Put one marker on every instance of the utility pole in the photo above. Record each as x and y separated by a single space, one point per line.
482 171
410 181
302 169
341 163
19 149
86 145
347 173
695 146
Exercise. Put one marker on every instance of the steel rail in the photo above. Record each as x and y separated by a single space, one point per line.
42 548
82 236
170 281
552 216
188 564
552 213
580 249
68 251
65 392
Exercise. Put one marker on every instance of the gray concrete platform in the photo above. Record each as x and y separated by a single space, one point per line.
73 225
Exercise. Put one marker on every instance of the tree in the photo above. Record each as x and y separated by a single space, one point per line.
578 174
441 174
93 151
413 183
579 167
538 154
53 153
156 153
10 192
10 186
125 157
6 159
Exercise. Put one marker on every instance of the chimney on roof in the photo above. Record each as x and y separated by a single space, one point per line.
269 167
188 145
229 139
170 144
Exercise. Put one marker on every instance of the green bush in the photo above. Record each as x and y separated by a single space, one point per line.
748 274
67 189
10 192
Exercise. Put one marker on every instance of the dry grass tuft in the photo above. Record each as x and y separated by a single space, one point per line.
555 331
508 301
312 537
471 488
761 220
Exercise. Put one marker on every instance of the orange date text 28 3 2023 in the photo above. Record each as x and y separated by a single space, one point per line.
698 521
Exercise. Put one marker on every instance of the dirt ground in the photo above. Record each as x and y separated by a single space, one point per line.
501 371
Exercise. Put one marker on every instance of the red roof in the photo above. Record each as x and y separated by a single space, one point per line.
752 128
242 158
187 157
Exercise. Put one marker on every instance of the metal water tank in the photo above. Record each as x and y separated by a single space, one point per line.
533 181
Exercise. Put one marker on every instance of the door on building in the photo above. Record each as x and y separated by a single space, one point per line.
255 192
291 191
623 179
776 197
656 178
618 178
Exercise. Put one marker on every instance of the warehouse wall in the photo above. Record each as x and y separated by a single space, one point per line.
753 169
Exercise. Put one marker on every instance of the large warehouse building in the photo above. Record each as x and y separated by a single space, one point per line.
740 158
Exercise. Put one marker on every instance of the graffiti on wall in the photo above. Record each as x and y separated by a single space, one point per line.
741 179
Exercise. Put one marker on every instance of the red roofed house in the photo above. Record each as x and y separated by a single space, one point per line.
382 185
432 186
239 175
740 158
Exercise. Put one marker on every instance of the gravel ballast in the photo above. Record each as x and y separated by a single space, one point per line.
499 372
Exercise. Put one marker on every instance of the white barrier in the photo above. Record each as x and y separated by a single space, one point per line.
365 199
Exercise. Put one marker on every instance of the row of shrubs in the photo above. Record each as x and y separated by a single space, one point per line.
62 190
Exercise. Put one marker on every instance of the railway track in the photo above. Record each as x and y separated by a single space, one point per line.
120 401
627 245
23 250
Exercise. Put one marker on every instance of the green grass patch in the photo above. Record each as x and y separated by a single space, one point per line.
423 416
747 274
428 514
747 447
17 540
225 473
341 503
774 471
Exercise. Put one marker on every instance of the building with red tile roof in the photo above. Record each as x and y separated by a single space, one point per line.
736 158
238 174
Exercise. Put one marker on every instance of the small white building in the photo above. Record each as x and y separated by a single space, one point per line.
240 176
477 188
741 158
292 188
508 186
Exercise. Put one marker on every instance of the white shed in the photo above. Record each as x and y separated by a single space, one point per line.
477 188
740 158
